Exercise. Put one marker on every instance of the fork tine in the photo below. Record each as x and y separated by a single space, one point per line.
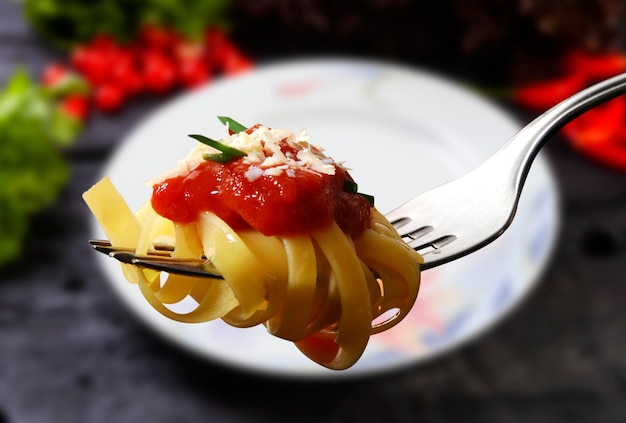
428 241
105 247
159 259
191 267
434 244
424 223
424 239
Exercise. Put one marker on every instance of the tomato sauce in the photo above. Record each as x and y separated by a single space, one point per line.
292 203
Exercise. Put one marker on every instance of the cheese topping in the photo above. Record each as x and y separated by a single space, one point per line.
265 152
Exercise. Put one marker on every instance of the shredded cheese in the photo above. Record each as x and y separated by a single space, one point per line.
264 154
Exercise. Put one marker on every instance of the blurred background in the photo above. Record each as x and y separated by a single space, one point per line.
76 77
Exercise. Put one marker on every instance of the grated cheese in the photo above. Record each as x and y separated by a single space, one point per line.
263 153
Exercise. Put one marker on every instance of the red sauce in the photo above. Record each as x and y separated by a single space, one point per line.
273 205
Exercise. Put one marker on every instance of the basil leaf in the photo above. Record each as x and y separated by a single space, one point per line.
368 198
227 153
219 157
233 125
350 186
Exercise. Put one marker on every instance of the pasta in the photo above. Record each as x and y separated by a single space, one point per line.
301 251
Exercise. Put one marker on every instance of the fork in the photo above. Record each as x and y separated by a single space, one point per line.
454 219
464 215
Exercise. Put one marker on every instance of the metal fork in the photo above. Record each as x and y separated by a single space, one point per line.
458 217
462 216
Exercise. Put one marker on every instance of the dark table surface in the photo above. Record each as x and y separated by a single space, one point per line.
71 352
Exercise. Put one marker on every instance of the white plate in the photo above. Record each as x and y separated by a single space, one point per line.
402 131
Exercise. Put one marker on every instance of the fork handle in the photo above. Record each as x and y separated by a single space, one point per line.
520 151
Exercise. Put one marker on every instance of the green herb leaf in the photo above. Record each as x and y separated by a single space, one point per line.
63 129
70 84
228 153
368 198
350 186
233 125
68 23
33 169
219 157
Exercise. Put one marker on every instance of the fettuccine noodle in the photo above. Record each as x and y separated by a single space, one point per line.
326 291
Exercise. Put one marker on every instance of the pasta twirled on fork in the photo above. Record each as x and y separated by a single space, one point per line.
301 251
